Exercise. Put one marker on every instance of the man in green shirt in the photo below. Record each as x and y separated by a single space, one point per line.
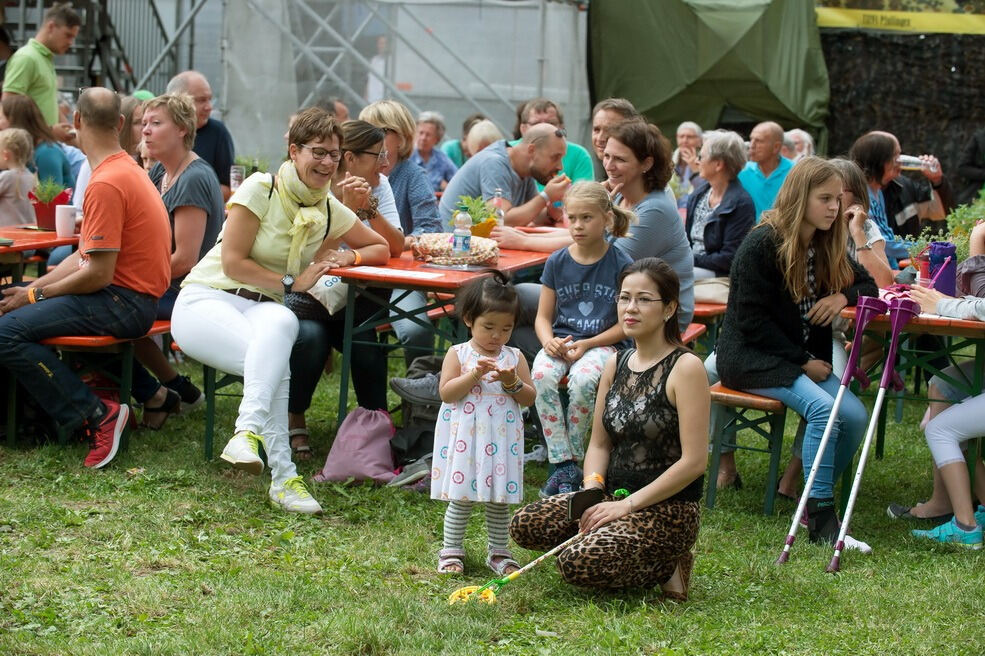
31 70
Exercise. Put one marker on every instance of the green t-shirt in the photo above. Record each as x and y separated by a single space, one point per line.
273 241
31 72
576 163
454 151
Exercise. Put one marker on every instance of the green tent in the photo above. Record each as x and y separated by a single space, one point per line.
708 60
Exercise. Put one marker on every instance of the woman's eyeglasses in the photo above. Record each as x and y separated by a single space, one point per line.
640 301
321 153
381 155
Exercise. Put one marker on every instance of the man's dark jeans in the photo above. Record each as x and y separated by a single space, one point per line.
115 311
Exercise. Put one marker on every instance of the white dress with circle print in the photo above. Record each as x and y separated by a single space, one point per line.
478 441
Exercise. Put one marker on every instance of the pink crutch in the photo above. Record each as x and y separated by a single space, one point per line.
901 311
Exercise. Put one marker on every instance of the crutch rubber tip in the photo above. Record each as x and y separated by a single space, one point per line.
784 557
834 566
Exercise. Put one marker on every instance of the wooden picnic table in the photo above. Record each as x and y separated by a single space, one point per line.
28 238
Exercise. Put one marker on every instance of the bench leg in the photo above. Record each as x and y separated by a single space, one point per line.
719 418
126 387
11 409
208 376
778 421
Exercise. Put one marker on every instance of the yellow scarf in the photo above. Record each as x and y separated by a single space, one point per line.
308 206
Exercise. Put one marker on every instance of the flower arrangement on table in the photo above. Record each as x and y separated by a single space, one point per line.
483 217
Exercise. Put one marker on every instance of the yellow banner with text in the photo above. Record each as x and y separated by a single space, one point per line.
901 21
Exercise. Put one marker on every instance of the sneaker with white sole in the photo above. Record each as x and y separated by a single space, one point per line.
292 495
422 390
105 438
243 452
191 396
951 533
412 472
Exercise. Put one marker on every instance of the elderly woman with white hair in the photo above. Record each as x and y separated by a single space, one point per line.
720 212
687 175
484 133
438 166
801 144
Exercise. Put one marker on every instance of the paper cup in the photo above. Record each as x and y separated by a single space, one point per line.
65 220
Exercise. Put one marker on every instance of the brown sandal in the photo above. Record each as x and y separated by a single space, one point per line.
300 451
685 565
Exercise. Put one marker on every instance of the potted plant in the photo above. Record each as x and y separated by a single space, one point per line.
252 164
45 197
483 218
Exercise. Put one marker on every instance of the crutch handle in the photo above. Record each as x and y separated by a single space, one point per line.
866 308
901 312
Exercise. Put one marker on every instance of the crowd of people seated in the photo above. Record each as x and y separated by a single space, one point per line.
796 237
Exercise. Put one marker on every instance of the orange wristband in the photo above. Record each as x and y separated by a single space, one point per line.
594 476
359 257
30 296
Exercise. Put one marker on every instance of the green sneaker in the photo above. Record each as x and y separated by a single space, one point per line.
292 495
949 533
243 452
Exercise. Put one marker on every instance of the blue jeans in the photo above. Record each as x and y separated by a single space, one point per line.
813 401
113 310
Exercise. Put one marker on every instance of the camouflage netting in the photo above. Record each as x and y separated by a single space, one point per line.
925 89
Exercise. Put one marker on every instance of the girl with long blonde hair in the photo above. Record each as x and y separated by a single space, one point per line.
790 279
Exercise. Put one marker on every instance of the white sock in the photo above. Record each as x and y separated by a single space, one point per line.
858 545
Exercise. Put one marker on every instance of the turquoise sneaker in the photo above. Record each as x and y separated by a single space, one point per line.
949 533
980 515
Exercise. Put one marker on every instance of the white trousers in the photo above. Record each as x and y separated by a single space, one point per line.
249 339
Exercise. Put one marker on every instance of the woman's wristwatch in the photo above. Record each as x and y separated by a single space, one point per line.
368 212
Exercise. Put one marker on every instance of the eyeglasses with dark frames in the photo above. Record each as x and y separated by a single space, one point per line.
318 154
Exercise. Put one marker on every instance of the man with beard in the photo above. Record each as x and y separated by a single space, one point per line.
514 170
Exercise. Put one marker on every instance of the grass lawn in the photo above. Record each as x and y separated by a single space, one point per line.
163 553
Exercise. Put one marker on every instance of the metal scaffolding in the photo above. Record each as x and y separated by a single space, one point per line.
454 56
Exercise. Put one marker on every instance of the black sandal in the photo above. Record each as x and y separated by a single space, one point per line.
170 406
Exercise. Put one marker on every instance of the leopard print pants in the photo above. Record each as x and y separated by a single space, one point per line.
638 550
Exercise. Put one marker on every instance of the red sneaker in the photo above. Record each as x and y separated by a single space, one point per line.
106 437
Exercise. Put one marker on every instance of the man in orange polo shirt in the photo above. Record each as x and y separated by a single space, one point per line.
110 286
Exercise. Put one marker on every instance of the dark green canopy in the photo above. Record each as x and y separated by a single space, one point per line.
680 60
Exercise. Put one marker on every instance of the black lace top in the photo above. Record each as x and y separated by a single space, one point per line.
643 427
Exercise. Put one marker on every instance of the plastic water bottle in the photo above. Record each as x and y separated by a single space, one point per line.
498 207
462 235
913 163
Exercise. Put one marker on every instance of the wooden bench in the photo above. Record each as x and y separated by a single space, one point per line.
711 315
81 346
734 410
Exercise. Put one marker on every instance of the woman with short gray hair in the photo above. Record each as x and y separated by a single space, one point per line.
719 212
